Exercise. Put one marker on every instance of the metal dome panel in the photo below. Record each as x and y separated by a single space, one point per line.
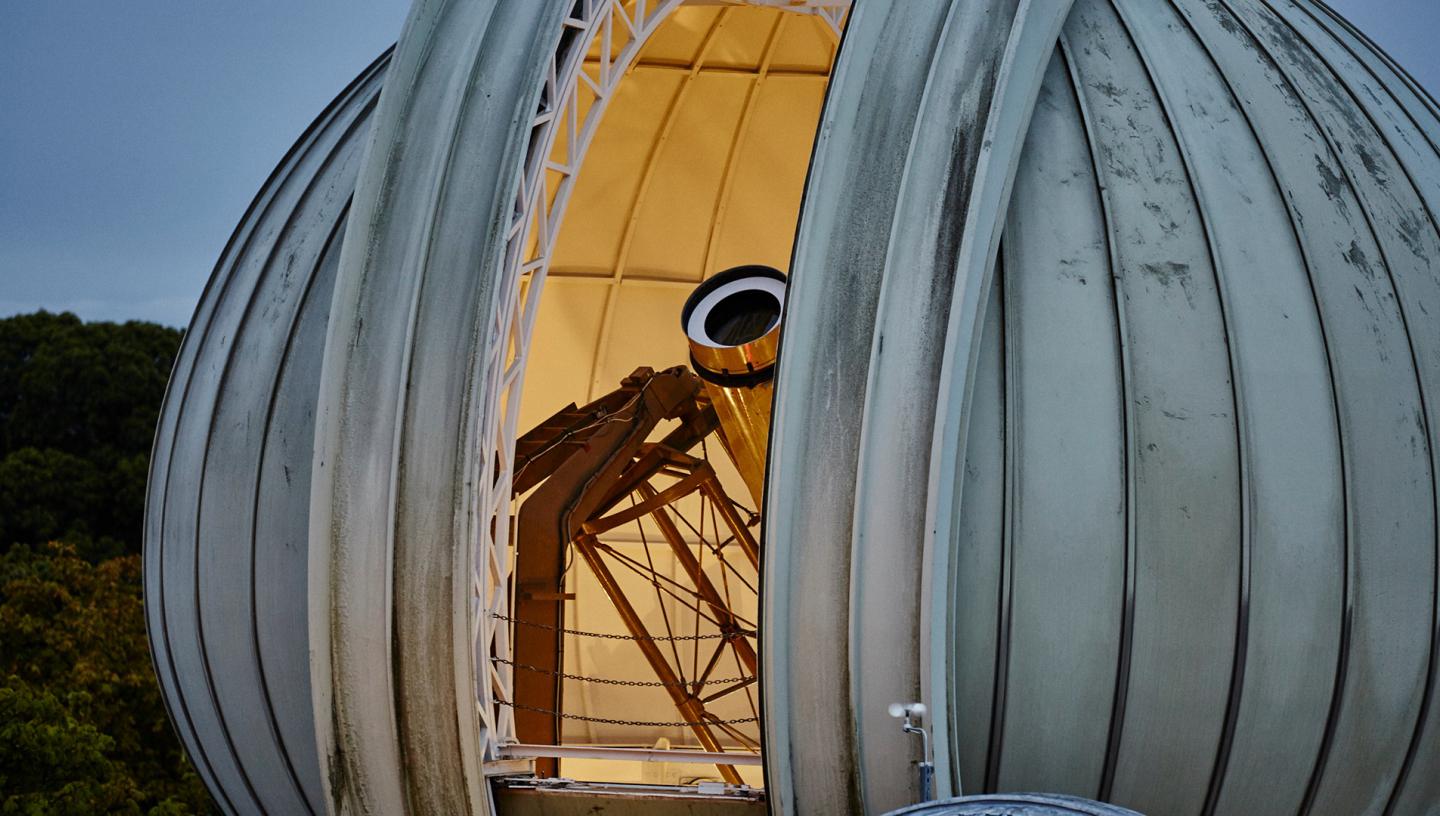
227 532
1189 562
1102 423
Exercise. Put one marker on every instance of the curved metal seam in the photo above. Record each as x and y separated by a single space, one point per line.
1389 86
1342 668
939 567
1427 697
1421 93
1127 378
1304 250
1430 679
825 171
742 131
662 138
184 366
1430 670
1028 46
336 234
236 250
1010 495
1242 442
194 746
357 119
464 698
230 350
358 794
1232 708
931 95
467 715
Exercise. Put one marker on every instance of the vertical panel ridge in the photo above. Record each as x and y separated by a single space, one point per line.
1242 416
268 217
1317 91
293 241
1006 586
1106 782
1344 85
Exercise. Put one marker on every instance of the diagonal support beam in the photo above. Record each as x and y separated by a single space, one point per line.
691 709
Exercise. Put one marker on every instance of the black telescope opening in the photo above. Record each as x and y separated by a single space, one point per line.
742 317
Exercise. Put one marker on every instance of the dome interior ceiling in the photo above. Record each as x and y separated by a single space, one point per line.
697 165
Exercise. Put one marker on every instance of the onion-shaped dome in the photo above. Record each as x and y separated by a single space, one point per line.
1102 415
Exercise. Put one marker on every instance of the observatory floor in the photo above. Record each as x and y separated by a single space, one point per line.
588 799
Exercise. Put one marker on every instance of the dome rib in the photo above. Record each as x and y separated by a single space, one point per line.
1426 788
229 482
1153 59
1125 639
1413 161
1266 743
220 694
850 200
1061 336
1375 187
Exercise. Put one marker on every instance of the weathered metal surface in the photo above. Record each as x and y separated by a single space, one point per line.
860 153
390 543
1193 550
1065 535
227 516
1189 563
1142 504
851 442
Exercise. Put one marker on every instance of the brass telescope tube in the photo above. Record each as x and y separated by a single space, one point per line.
732 321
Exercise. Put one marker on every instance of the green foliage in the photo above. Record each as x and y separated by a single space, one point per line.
82 728
51 763
78 404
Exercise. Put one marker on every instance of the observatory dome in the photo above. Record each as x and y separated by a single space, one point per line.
1102 418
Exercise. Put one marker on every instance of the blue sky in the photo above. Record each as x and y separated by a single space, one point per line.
134 134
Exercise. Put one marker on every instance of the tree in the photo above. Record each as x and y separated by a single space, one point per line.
78 405
82 727
51 763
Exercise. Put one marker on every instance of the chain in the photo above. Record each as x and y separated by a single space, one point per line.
607 635
725 681
606 721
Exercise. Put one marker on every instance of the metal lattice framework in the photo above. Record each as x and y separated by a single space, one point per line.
709 599
572 104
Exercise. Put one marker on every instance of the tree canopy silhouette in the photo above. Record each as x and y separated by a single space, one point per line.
82 727
78 403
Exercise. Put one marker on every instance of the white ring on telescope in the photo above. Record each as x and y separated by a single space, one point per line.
695 326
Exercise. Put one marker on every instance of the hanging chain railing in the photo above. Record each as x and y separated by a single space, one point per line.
573 99
616 636
611 681
708 721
